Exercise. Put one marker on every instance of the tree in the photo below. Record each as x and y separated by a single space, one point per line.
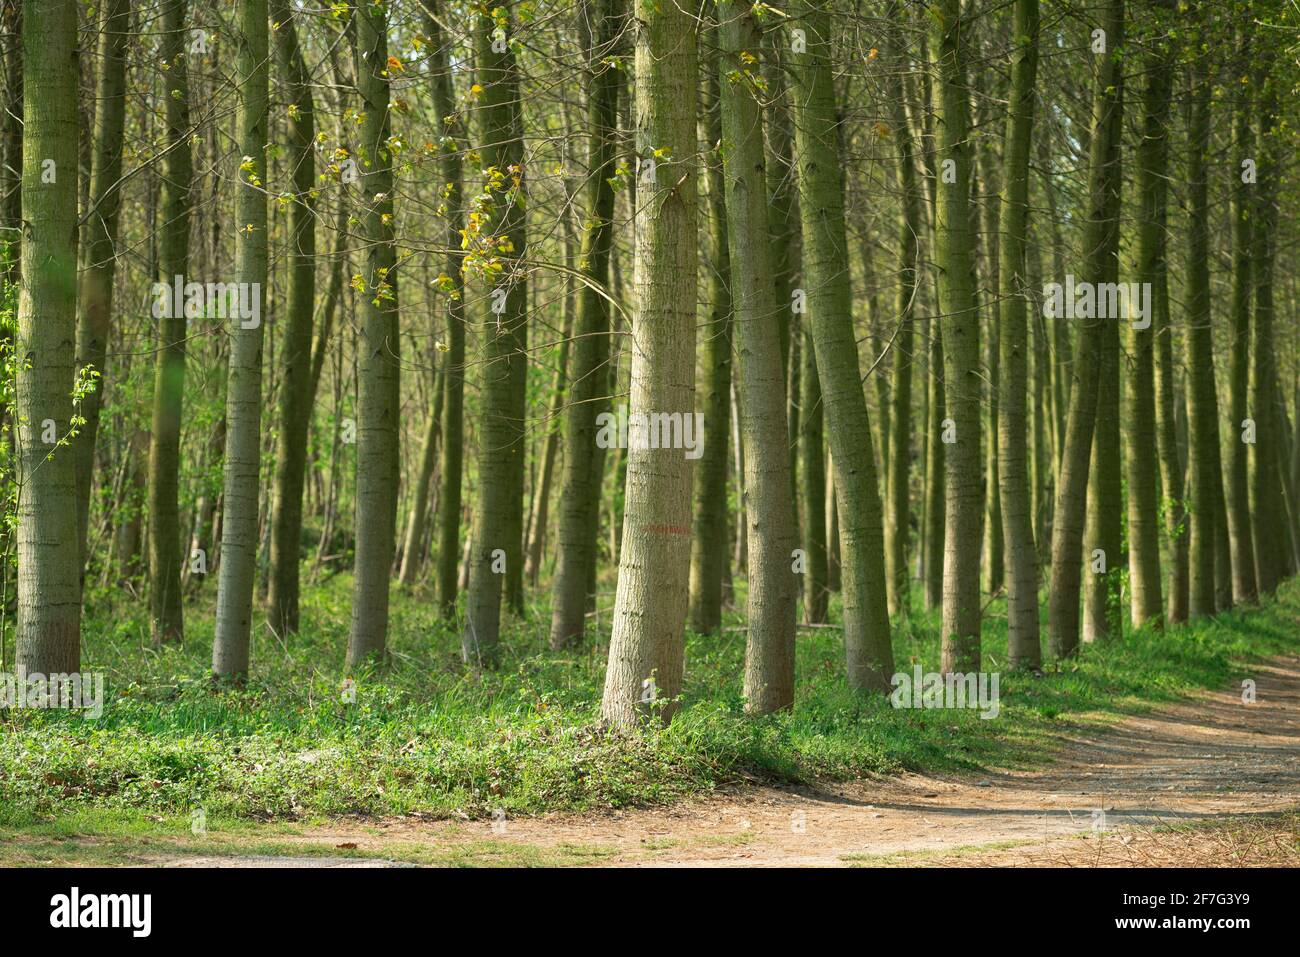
1203 426
646 648
166 613
495 543
580 493
96 288
1021 555
1141 447
1269 535
898 521
230 646
1100 243
379 362
49 589
710 518
868 654
296 386
954 254
769 501
449 122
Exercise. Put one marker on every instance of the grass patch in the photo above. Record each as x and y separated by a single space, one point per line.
425 735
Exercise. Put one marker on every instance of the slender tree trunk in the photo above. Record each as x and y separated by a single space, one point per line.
449 123
1268 505
239 529
955 257
646 648
1100 244
710 517
96 293
49 589
769 503
167 621
898 524
934 478
868 653
1146 604
813 456
1202 425
296 386
500 452
413 539
583 461
1016 299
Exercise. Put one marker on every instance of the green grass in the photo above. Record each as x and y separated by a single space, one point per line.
425 735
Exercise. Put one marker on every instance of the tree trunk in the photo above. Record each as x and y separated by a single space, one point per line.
1100 244
167 621
96 294
497 256
1140 451
710 516
1016 297
869 657
813 455
646 648
899 460
239 517
590 379
296 387
957 305
1202 425
769 503
49 588
1268 507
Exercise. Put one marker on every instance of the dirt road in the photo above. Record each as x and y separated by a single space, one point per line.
1227 768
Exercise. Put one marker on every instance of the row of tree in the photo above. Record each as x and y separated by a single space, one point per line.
826 226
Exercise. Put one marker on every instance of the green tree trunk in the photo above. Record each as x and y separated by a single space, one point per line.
1268 506
812 447
49 561
646 648
239 531
769 502
898 519
1016 298
868 653
167 622
295 356
589 383
954 253
495 543
1100 244
1141 446
710 516
449 123
96 293
1203 428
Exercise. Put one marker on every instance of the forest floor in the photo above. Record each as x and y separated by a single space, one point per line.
1205 781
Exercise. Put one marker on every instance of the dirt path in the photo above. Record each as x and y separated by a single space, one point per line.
1212 759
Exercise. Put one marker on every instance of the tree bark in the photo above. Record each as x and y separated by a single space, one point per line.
239 530
769 501
868 653
296 355
646 649
49 588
